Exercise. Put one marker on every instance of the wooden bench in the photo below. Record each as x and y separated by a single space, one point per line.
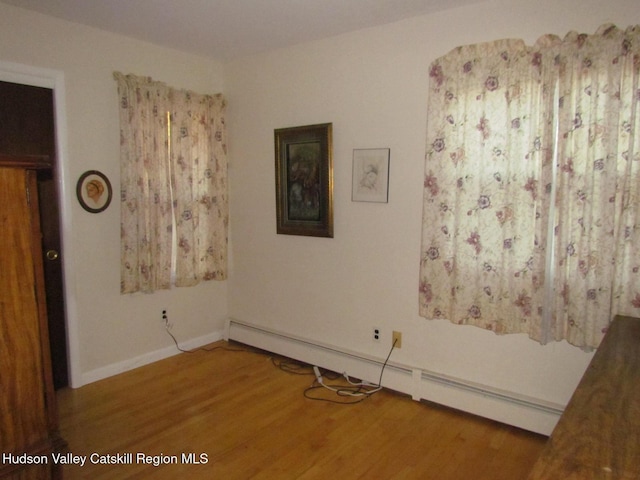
598 435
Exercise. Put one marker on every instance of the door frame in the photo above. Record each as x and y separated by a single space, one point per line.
54 79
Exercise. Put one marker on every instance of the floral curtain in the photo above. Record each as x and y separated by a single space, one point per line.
484 188
529 180
173 185
597 236
198 162
146 203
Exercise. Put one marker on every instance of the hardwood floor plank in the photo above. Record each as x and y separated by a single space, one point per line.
251 421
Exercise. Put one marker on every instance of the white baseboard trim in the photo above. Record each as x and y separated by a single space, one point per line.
525 412
147 358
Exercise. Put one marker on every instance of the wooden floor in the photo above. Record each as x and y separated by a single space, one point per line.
250 419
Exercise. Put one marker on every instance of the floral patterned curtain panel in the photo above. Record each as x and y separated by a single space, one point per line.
483 226
146 212
173 185
199 166
597 227
530 190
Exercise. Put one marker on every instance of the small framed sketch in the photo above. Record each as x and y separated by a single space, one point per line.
94 191
370 175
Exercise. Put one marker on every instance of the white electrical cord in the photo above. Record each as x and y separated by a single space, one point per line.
345 391
358 384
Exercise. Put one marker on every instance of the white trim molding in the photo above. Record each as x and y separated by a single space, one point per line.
147 358
54 79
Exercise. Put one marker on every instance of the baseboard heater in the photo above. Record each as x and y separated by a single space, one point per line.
525 412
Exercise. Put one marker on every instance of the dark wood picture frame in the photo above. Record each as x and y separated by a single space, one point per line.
304 180
94 191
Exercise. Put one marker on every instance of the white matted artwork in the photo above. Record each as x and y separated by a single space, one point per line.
370 175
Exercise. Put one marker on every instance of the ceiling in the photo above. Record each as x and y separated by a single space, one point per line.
228 29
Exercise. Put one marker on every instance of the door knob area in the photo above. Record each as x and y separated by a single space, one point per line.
52 254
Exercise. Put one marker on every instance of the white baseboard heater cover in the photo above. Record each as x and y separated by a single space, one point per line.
529 413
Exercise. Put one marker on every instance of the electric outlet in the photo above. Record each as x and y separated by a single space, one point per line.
376 334
396 339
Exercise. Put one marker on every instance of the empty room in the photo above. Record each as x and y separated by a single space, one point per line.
288 239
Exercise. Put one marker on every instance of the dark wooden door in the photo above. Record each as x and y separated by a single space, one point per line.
27 128
28 419
53 275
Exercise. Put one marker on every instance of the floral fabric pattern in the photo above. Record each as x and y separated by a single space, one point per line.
199 173
531 186
173 180
597 237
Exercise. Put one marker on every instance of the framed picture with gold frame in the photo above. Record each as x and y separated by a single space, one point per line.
94 191
304 180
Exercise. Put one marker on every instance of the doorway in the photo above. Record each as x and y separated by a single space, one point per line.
27 127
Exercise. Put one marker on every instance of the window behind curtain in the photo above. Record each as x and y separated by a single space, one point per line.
531 201
174 201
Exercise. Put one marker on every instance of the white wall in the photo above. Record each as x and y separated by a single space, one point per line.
110 332
372 86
